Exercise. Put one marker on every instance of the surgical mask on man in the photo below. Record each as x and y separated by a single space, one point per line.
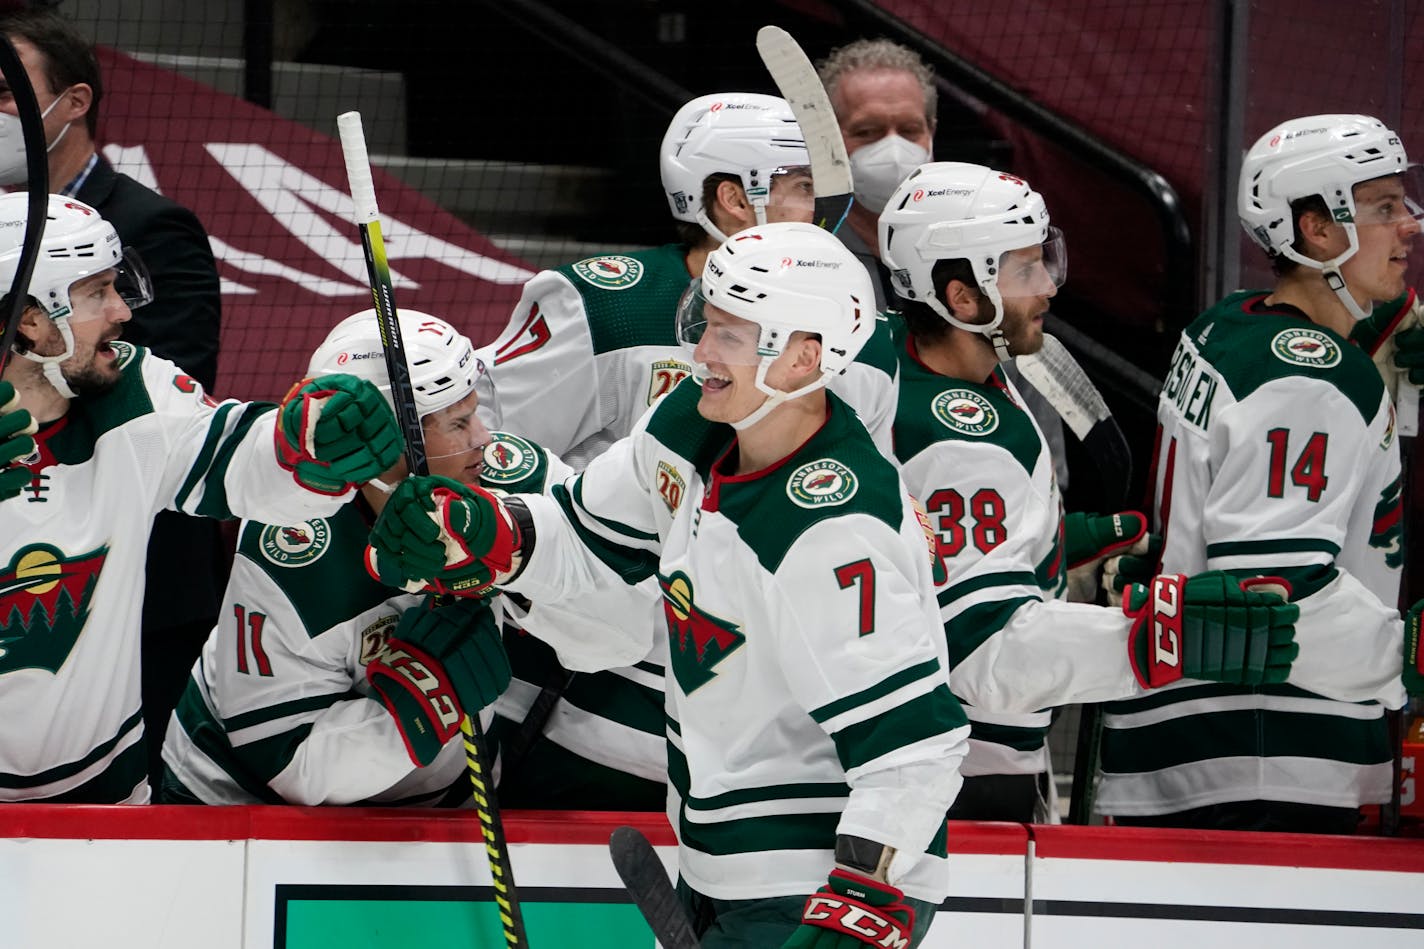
878 169
12 144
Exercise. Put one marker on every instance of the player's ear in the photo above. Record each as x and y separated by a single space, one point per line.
962 300
732 205
1316 231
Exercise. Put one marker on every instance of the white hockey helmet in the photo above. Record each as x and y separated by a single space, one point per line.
748 135
951 210
1317 155
77 243
443 364
784 277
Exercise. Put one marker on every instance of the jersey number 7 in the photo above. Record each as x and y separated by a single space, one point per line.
862 573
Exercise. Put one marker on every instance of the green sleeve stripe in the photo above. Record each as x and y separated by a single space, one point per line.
207 734
1017 737
672 725
761 834
272 713
973 627
881 689
925 717
780 792
1246 548
615 526
984 581
678 775
214 503
70 768
629 563
206 453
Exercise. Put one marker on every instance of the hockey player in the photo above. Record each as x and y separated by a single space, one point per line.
975 261
122 435
588 348
298 697
811 730
1276 454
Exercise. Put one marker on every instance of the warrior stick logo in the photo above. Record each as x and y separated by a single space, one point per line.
966 411
822 482
1306 347
508 459
295 545
699 640
614 272
44 603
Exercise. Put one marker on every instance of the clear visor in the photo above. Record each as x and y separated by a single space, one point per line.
1393 201
711 335
1036 271
131 283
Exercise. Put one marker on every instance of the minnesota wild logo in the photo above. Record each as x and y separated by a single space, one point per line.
508 459
44 602
821 482
699 641
1387 532
1305 347
965 411
295 545
614 272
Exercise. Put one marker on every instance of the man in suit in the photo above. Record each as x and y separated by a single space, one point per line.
181 324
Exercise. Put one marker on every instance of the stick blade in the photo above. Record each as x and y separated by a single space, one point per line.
642 873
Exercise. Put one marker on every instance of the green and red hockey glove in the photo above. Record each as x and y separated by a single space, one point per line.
1413 655
1393 336
442 663
1123 570
16 427
1212 627
336 431
852 911
1090 539
453 537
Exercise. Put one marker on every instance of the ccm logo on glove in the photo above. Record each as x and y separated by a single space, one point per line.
1166 621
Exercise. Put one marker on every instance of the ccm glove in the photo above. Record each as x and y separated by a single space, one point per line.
1090 539
336 431
1413 655
1136 566
442 663
442 535
1393 336
1212 627
16 427
852 911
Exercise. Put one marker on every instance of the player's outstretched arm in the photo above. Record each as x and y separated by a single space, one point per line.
335 432
16 427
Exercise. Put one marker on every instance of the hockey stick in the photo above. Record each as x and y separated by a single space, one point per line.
37 186
797 81
1057 376
642 873
363 193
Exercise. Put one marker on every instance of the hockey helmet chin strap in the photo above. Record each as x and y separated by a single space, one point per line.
992 329
50 364
774 397
1330 269
757 197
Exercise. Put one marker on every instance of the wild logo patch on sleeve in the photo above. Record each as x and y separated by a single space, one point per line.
509 459
822 482
1305 347
613 272
295 545
964 410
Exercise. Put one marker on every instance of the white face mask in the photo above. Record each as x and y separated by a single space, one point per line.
878 169
12 145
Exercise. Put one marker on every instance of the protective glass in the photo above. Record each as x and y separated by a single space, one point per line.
1034 271
710 334
131 282
459 429
1392 201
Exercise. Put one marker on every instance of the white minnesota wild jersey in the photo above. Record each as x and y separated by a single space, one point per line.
978 463
1276 455
592 344
73 548
808 694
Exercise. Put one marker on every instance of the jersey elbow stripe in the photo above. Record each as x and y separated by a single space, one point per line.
975 626
930 715
1007 578
826 714
1259 548
217 430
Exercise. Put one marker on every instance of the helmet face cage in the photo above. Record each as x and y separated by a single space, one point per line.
955 210
444 366
750 136
783 278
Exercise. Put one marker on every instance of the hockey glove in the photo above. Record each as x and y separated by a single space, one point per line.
853 911
1212 627
1413 655
336 431
1393 337
1124 570
457 538
1090 539
442 663
16 427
